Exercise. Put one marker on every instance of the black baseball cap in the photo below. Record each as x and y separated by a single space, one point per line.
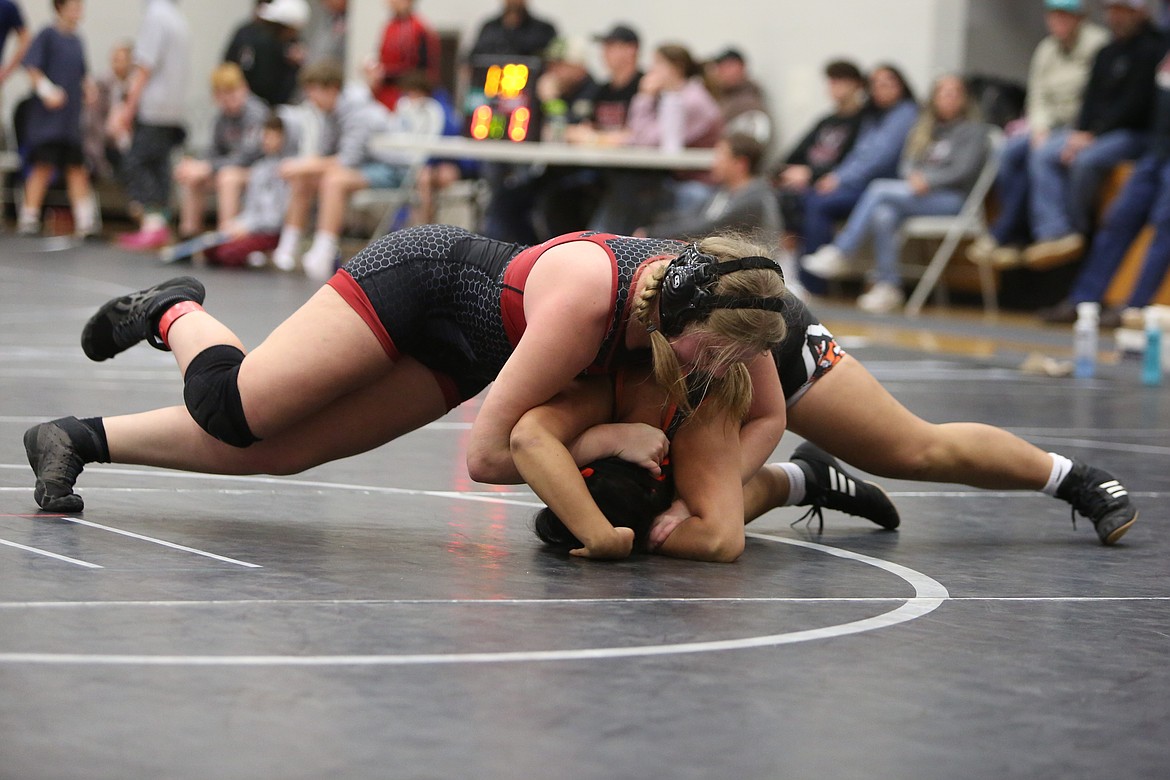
620 33
728 54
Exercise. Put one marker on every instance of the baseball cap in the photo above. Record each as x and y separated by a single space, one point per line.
290 13
1068 6
728 54
619 34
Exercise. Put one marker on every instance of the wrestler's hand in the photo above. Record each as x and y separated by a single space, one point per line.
645 446
664 525
614 546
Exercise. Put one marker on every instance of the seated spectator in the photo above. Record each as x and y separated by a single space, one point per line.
824 147
742 100
1068 168
943 157
672 110
235 145
409 45
611 104
885 123
342 165
1145 198
742 201
256 229
55 62
324 35
103 145
1056 84
268 49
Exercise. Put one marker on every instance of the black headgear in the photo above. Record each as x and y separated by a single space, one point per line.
686 294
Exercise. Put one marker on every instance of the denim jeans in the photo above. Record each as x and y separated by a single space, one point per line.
1145 198
1012 186
1063 197
886 204
821 214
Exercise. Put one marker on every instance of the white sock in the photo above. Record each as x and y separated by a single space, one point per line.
29 216
84 215
289 238
1061 466
796 489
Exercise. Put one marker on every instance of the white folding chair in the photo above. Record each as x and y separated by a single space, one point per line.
969 223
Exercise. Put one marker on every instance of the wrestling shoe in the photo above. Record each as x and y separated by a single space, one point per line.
56 463
829 486
1097 495
123 322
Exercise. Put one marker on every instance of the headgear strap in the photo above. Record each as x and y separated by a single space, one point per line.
686 293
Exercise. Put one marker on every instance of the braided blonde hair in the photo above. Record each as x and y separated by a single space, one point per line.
753 330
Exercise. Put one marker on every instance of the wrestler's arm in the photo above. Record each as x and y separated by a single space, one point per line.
706 456
538 449
567 302
766 419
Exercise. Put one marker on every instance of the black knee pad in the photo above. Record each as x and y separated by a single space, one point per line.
212 394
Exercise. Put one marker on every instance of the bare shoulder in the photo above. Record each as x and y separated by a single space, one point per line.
578 270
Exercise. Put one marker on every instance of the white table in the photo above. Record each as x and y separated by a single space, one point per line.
453 147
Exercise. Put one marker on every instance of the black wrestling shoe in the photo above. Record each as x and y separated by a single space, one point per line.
57 464
829 486
125 321
1097 495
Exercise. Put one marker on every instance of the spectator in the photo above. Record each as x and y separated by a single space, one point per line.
611 104
1145 198
742 100
943 157
324 36
672 109
256 230
1056 84
52 134
825 145
1067 169
409 45
235 145
885 124
514 31
104 147
342 165
156 109
11 21
567 93
268 51
743 201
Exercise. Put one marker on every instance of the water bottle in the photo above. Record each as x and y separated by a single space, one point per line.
1085 340
1152 360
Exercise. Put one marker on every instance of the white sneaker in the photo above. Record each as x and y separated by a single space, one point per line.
284 260
256 259
882 298
828 262
319 265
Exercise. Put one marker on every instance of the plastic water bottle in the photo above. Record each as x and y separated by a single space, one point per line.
1152 361
1085 340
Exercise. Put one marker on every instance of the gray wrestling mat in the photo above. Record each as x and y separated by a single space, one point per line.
384 616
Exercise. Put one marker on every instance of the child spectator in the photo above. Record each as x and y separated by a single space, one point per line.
235 144
341 165
156 109
104 148
56 67
257 228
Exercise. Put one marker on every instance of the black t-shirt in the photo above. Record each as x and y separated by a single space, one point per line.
529 39
826 144
611 105
263 56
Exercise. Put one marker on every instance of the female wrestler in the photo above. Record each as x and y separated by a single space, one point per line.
418 322
832 400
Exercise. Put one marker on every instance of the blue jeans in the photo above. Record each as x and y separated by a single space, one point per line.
821 214
886 204
1145 198
1063 197
1012 187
